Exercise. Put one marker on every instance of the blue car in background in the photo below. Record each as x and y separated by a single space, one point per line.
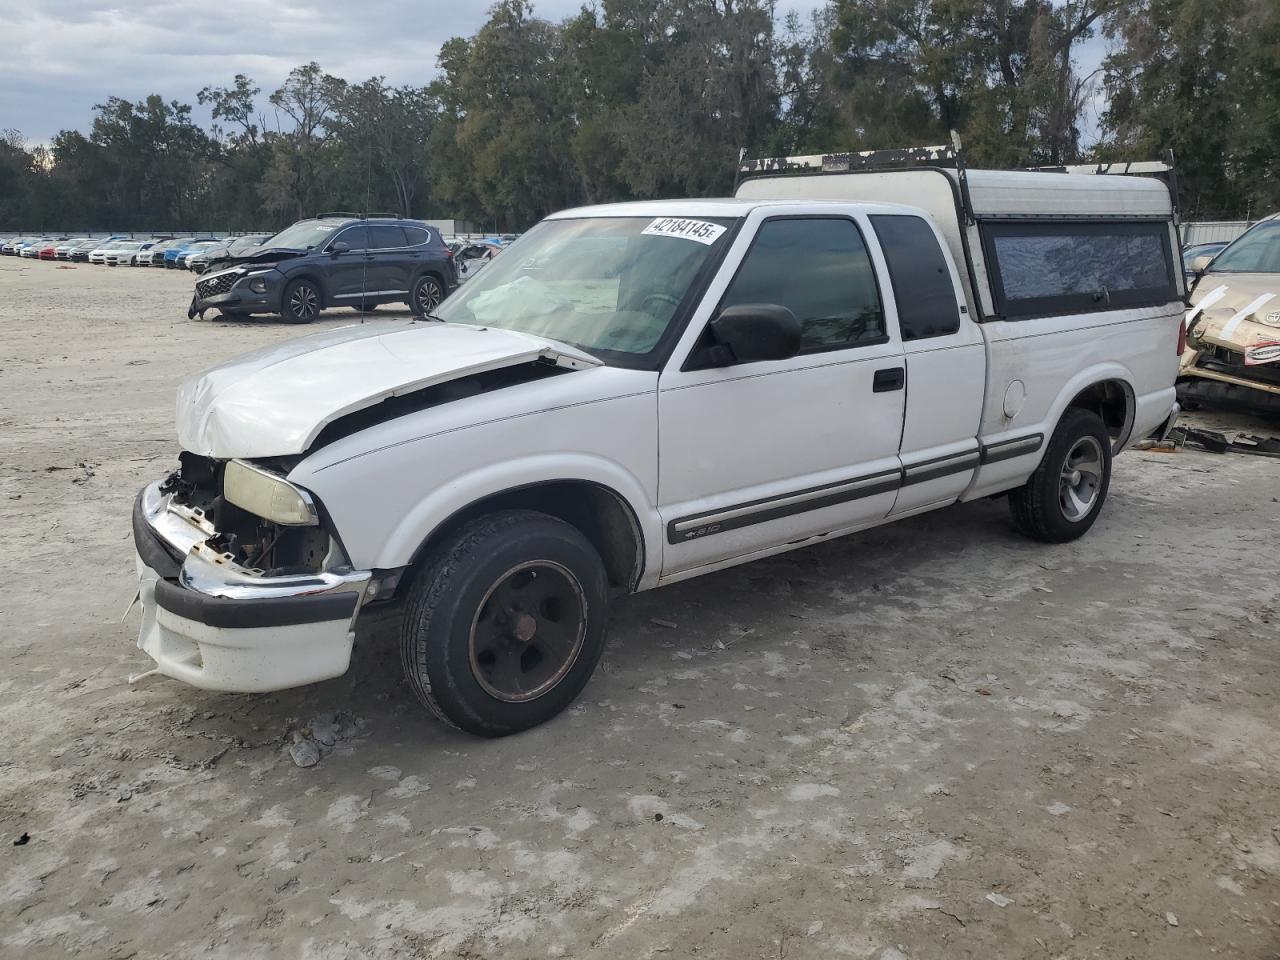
171 254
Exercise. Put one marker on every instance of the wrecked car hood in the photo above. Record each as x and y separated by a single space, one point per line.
1238 311
265 255
275 401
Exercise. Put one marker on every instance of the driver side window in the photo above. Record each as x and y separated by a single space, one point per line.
356 238
819 269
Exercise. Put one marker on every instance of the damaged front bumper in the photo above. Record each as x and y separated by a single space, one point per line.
212 623
237 290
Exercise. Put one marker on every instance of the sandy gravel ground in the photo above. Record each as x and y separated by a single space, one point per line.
932 740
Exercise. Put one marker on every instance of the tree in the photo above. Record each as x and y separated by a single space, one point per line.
295 179
1203 79
385 131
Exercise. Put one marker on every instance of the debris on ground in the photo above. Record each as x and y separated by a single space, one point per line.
304 751
324 732
1217 442
999 899
23 840
659 622
1171 919
123 793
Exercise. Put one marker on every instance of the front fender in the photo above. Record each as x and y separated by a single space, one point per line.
464 490
374 540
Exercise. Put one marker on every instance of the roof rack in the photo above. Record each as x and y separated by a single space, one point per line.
941 155
357 216
1130 167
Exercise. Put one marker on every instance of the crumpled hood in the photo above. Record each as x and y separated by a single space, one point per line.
275 401
264 256
1239 311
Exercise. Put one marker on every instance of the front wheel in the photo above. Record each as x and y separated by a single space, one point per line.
505 622
300 302
1064 496
428 292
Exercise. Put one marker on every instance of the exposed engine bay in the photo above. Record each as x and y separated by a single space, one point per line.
266 548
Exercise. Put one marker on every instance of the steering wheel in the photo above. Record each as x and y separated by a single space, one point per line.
661 298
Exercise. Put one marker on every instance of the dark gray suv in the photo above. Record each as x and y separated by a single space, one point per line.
333 260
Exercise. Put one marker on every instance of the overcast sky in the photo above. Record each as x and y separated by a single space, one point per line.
63 56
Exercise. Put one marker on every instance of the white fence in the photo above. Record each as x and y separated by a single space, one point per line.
1209 231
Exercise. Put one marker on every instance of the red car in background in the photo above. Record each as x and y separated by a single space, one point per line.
49 251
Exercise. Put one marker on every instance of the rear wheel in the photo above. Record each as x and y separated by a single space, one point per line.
427 294
1064 496
301 302
505 622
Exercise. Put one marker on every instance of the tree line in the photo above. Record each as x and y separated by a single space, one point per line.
636 99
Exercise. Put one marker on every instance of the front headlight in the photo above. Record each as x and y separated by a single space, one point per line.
267 495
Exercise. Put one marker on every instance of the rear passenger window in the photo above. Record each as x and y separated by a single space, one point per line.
1046 268
384 236
417 236
819 270
922 284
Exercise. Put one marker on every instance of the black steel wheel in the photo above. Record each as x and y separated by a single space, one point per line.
505 622
301 302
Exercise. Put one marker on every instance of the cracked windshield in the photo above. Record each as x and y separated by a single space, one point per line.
609 285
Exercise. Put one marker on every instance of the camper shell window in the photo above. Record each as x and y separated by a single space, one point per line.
1041 268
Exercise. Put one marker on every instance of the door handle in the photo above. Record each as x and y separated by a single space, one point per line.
892 378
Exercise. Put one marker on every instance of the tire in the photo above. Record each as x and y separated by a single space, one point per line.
301 302
474 653
428 292
1064 496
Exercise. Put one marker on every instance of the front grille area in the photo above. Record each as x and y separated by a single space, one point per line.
216 285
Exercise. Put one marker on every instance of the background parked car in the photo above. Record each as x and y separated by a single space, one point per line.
80 252
172 253
63 250
1195 250
334 260
220 254
153 256
47 251
199 246
32 247
99 253
124 252
469 256
10 247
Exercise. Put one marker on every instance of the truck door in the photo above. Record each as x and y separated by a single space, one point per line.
945 360
757 455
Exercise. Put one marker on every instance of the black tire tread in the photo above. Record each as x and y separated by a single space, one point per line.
1029 505
434 579
287 293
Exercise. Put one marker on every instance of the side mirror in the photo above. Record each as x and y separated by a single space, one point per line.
1201 263
340 247
751 332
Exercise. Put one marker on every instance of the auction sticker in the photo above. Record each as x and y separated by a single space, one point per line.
699 230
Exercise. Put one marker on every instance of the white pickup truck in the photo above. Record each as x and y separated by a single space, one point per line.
638 393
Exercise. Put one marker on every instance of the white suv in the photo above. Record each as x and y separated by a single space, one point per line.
639 393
